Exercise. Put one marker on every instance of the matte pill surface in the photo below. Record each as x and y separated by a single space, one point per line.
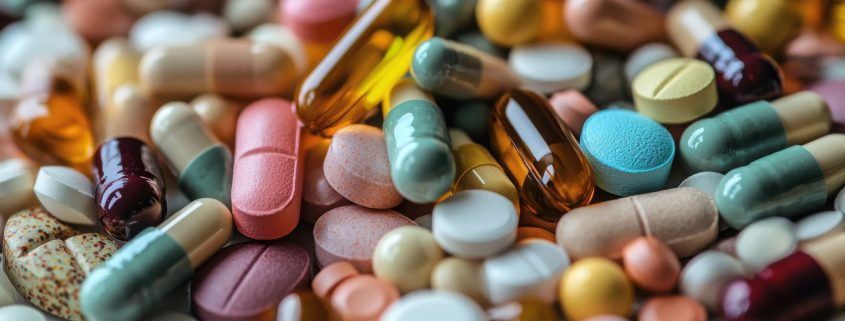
616 24
675 91
67 194
651 265
820 225
318 197
347 298
706 275
704 181
317 21
434 305
461 276
21 312
530 270
474 224
765 242
672 308
551 67
17 180
646 56
572 108
405 257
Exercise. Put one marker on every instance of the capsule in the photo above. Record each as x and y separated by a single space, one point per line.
477 169
203 164
115 64
366 61
452 16
128 114
541 155
130 190
147 269
230 67
739 136
788 183
219 114
421 163
743 73
805 285
459 71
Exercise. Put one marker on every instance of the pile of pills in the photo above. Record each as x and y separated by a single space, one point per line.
422 160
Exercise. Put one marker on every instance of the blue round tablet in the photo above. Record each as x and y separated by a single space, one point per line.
630 153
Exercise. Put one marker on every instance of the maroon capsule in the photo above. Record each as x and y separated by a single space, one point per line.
130 189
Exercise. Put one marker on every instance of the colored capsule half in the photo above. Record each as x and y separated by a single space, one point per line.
477 169
368 59
421 163
130 192
741 135
788 183
459 71
541 155
141 274
202 163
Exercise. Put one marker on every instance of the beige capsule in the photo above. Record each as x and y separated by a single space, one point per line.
684 218
128 114
219 114
179 134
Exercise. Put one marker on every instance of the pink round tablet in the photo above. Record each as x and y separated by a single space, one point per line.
318 20
651 264
572 108
350 233
248 280
268 172
318 196
357 167
363 298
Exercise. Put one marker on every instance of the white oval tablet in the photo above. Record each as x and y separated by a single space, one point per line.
67 194
645 56
820 225
704 181
433 305
552 67
474 224
7 290
766 241
529 270
17 177
21 312
707 274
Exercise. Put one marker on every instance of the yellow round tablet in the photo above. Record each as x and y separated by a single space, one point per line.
595 286
675 91
508 22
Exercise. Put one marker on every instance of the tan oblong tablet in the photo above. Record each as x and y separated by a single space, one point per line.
675 91
67 194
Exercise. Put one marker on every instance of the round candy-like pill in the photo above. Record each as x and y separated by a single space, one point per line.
528 271
434 305
350 233
474 223
705 182
672 308
645 56
766 241
405 257
630 154
461 276
508 22
572 108
651 264
550 67
595 286
67 194
706 275
820 225
675 91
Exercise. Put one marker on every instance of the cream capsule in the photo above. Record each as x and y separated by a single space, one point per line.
115 64
477 169
128 113
219 114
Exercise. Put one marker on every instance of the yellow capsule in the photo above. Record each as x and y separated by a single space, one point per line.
477 169
595 286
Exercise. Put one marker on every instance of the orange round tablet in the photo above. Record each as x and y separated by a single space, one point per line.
363 298
651 264
672 308
331 276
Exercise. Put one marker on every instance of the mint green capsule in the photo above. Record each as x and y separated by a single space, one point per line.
422 166
789 183
738 136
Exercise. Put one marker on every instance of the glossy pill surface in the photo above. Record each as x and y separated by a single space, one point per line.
595 286
651 264
405 257
509 23
477 169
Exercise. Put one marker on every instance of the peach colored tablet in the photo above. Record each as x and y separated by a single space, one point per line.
651 264
267 177
672 308
330 277
363 298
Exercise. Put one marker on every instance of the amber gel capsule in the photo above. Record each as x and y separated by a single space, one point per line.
368 59
541 155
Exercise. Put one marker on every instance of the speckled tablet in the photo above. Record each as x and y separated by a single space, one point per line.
630 153
248 280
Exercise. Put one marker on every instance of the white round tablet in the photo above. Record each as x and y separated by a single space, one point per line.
707 274
766 241
67 194
474 224
704 181
645 56
21 312
529 270
820 225
434 305
17 177
552 67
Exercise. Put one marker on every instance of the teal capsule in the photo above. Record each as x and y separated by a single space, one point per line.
421 162
788 183
452 15
209 175
738 136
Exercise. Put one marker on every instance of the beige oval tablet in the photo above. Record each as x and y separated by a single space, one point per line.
67 194
675 91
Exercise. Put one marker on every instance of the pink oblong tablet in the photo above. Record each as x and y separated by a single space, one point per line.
350 233
317 20
268 172
248 280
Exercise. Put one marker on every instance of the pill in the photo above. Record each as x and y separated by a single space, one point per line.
474 224
350 233
630 154
317 21
330 276
98 20
67 194
282 37
342 286
156 262
706 275
462 276
302 305
572 108
459 71
477 169
318 197
203 164
21 312
17 180
645 56
787 183
674 308
523 310
675 91
230 67
741 135
268 170
595 286
452 16
477 40
606 317
509 23
129 114
358 168
684 218
405 257
770 24
434 305
832 93
820 225
219 114
244 15
766 241
363 65
422 166
704 181
530 270
47 260
115 63
424 221
236 283
7 290
34 38
615 24
550 67
166 28
651 264
743 73
533 233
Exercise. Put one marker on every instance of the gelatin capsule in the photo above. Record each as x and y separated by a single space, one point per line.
477 169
